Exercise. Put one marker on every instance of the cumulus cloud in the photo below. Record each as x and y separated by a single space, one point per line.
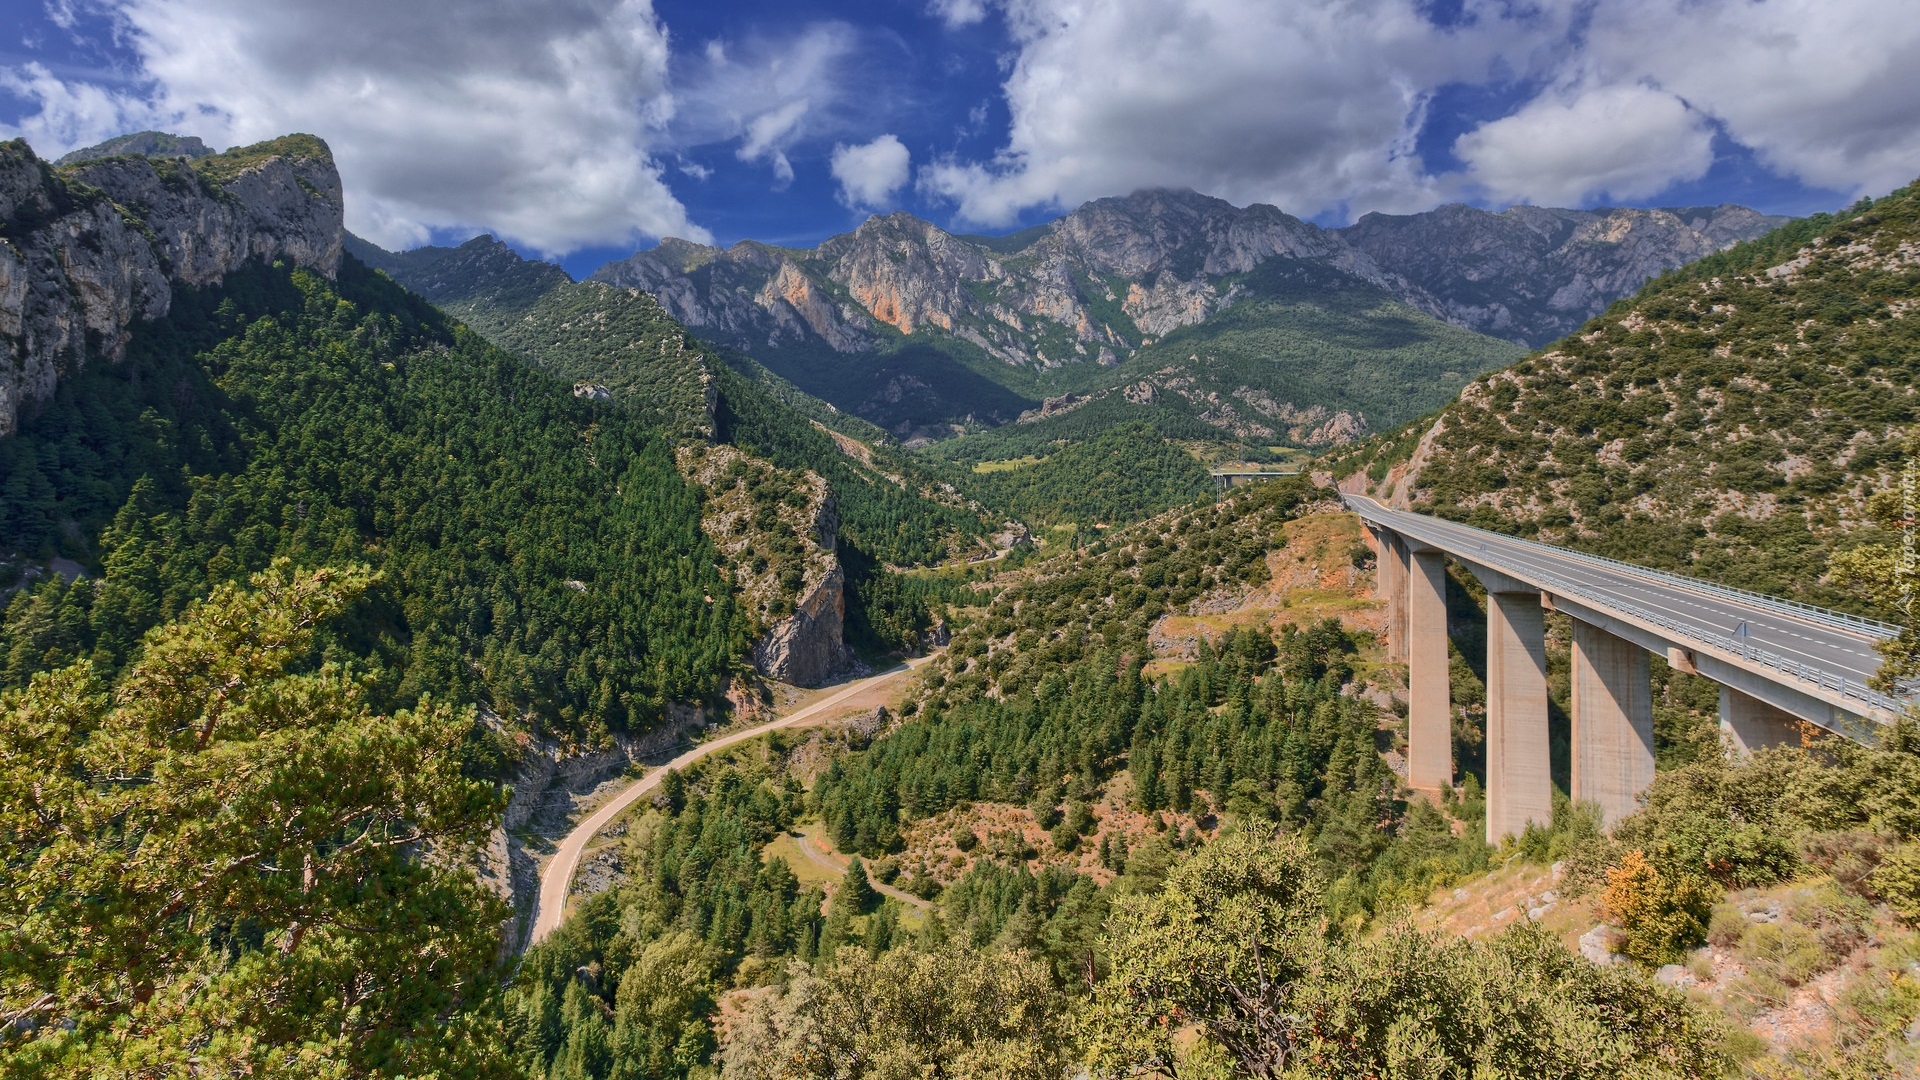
1310 104
540 122
1314 104
1626 142
1823 90
870 173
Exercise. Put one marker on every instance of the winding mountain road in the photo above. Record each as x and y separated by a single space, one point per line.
556 881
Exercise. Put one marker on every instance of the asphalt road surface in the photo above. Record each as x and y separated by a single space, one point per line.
1841 651
557 879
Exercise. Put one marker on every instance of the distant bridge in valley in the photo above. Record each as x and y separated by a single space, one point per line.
1233 478
1780 664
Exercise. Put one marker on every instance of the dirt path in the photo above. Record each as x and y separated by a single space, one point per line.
556 881
820 858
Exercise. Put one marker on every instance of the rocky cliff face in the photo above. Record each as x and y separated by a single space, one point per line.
1117 274
1533 275
88 250
779 529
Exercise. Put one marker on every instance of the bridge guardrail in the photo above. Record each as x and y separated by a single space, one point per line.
1826 680
1846 687
1842 620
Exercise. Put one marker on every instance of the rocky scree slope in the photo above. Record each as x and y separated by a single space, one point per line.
88 250
1731 421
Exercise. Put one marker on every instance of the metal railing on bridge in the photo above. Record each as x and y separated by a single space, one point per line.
1741 647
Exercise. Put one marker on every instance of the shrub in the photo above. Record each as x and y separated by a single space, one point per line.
1662 915
1897 880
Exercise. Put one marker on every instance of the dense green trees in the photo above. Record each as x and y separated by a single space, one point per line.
210 863
1116 477
949 1012
540 554
1238 944
698 903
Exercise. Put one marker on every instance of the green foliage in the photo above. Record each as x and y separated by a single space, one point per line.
1238 944
1083 423
1042 697
951 1012
1897 878
698 902
1312 336
271 914
1118 476
856 892
540 553
1721 424
1663 915
1748 824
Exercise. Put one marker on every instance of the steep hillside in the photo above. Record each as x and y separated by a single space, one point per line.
1729 421
621 342
1532 275
90 249
930 334
538 552
808 515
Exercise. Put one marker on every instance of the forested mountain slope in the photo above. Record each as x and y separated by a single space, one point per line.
1732 420
540 553
927 333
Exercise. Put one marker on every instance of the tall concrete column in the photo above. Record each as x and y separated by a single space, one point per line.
1748 724
1429 700
1391 585
1612 722
1519 765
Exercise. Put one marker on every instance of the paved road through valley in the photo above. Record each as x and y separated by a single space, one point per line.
556 881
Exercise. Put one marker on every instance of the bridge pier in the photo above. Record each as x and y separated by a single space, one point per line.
1519 768
1748 724
1429 690
1612 722
1393 587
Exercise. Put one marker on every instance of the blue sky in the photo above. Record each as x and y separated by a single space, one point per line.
583 129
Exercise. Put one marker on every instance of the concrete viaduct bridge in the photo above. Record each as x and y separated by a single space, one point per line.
1779 664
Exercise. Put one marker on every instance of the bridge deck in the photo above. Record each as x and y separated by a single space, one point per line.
1837 651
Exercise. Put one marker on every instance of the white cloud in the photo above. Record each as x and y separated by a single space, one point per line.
957 13
539 122
68 114
1310 104
768 134
1625 142
770 95
1313 104
1824 90
870 173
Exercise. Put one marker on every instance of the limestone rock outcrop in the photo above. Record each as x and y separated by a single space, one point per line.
779 529
1119 273
89 250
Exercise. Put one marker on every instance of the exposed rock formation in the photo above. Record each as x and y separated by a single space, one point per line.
1118 273
779 529
807 648
89 250
1534 275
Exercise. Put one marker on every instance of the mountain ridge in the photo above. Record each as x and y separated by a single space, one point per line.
89 249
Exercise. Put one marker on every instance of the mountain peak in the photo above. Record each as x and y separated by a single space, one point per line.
152 144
